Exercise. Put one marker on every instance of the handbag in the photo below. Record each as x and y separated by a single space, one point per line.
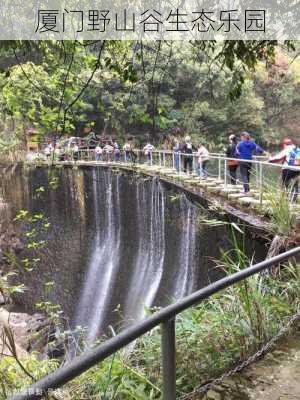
233 163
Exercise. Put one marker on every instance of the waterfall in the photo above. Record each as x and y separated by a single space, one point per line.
139 275
104 262
149 262
87 294
108 261
185 281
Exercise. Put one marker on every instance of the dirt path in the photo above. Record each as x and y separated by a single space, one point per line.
275 377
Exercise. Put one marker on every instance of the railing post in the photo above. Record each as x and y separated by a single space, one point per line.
257 172
225 172
195 164
200 167
168 348
219 173
260 184
151 158
164 158
173 160
179 163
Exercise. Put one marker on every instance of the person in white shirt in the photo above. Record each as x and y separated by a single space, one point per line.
203 158
98 152
127 152
116 151
109 150
48 149
148 150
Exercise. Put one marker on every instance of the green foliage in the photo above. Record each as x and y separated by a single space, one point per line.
206 89
14 378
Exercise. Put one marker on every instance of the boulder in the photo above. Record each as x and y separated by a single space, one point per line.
32 333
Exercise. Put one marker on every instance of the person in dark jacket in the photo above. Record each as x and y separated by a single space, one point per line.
231 152
245 149
187 149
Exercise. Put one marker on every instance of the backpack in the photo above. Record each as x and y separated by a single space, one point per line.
294 157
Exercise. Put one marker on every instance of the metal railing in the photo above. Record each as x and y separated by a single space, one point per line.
263 173
166 317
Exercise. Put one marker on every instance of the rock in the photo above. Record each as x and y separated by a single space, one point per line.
39 332
236 195
18 334
231 193
247 200
213 189
33 333
212 395
205 184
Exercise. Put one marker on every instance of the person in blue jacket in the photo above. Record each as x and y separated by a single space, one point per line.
245 150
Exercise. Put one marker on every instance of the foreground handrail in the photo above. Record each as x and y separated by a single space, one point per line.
166 317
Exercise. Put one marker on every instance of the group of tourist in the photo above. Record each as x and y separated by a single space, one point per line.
240 152
239 155
111 152
188 150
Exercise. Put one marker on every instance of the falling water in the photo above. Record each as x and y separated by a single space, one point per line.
185 280
108 260
104 261
87 294
144 282
149 261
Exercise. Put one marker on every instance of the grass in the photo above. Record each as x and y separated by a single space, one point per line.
280 209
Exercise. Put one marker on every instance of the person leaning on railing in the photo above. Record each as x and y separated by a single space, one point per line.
289 157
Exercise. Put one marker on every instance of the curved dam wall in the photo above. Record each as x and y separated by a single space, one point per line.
118 243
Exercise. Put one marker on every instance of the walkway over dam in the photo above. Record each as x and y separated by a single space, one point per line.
252 207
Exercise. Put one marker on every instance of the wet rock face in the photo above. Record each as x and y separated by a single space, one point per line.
9 241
